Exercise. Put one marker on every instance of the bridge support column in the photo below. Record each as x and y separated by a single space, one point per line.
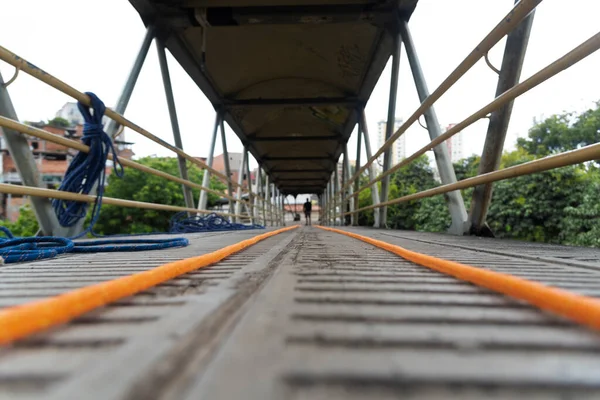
239 203
510 73
337 196
454 199
389 128
354 217
260 204
203 200
348 201
164 69
268 199
372 170
326 204
20 152
282 210
251 197
227 168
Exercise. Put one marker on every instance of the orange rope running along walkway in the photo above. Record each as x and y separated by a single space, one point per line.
581 309
20 321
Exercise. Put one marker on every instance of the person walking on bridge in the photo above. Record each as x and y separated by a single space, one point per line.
307 210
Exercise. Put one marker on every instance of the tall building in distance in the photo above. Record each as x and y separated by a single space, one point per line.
399 147
455 145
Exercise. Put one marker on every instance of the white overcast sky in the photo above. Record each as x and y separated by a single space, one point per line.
92 44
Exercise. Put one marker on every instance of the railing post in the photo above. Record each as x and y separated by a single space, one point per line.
260 204
202 202
226 164
268 199
343 181
264 198
251 197
326 205
164 69
276 205
389 128
354 216
372 171
282 210
22 156
510 73
238 206
347 204
336 194
442 158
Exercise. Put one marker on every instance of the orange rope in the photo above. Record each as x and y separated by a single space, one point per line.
581 309
27 319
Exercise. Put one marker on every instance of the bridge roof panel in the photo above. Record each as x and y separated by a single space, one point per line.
289 74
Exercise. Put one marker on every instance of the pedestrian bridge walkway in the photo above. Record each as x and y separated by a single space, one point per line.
309 314
296 312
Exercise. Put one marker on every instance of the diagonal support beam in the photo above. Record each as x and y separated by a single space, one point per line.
510 74
454 199
391 118
22 156
164 69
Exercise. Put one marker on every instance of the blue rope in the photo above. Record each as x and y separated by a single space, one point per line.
83 172
181 223
87 168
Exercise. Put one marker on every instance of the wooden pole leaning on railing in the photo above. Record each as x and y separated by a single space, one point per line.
588 153
506 25
56 83
571 58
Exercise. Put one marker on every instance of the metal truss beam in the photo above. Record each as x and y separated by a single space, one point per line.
332 138
307 102
510 74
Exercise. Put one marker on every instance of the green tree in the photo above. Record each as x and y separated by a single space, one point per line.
467 167
411 178
581 223
59 122
532 207
25 225
141 186
563 132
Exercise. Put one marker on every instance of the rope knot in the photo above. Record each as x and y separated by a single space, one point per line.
87 169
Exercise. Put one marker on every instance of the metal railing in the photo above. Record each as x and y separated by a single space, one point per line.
256 202
350 189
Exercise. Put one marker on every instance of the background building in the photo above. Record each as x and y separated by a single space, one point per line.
399 147
455 145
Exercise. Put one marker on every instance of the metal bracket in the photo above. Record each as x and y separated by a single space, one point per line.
489 64
14 77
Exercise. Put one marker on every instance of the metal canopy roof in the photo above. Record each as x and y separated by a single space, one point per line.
288 74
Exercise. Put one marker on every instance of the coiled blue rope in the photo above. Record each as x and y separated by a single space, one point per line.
182 223
87 168
82 174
